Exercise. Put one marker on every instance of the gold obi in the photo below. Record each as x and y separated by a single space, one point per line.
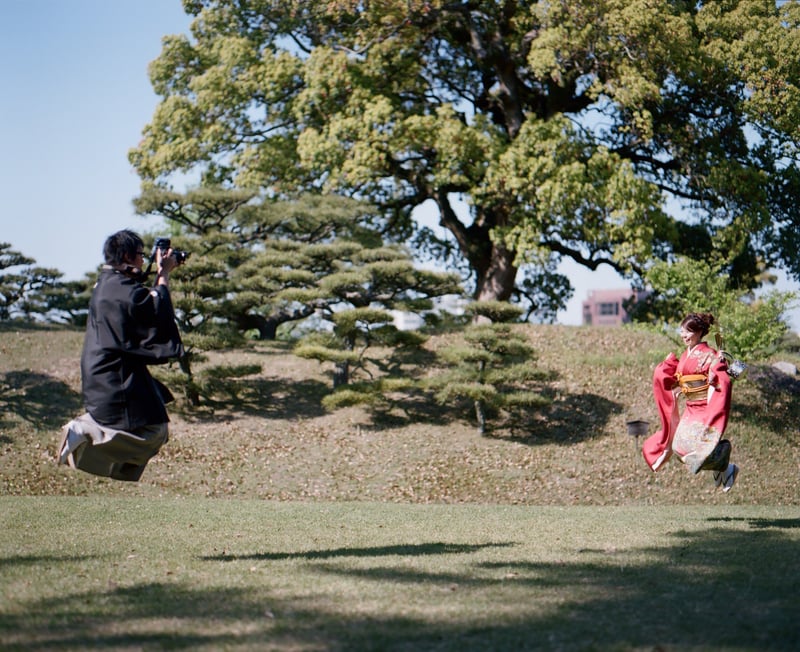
694 386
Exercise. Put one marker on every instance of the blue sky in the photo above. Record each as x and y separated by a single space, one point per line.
74 98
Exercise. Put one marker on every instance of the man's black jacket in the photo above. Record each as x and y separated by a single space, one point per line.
129 327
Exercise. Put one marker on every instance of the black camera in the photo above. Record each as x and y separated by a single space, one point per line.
163 244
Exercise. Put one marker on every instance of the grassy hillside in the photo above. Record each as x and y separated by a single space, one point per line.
270 438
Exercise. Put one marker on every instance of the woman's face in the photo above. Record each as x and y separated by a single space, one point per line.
689 338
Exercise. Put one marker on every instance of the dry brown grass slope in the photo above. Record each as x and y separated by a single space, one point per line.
271 439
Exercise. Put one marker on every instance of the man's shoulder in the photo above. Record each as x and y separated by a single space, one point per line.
114 286
113 278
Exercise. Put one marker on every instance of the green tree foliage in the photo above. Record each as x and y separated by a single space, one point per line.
750 326
243 252
61 301
259 265
492 368
13 286
28 291
361 293
570 127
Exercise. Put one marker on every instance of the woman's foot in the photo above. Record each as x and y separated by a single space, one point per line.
730 477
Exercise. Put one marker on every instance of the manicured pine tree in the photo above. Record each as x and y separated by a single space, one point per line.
61 301
257 266
492 367
25 289
363 291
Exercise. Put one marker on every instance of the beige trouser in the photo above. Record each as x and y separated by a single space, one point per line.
112 453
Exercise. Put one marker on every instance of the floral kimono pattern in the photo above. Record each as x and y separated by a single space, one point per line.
701 375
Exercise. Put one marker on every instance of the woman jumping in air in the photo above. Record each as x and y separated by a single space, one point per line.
701 375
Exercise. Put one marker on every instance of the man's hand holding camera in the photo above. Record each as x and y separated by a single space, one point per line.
166 259
165 263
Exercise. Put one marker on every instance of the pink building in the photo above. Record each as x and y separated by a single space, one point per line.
605 307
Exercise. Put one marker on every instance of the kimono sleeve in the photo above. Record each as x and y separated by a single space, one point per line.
158 339
719 400
658 447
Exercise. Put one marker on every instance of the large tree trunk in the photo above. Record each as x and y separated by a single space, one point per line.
493 264
496 279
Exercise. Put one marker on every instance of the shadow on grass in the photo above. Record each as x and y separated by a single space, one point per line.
260 397
47 403
37 399
411 408
36 560
568 420
716 589
14 326
377 551
760 523
775 405
770 380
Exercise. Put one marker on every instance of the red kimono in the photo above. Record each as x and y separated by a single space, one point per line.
701 375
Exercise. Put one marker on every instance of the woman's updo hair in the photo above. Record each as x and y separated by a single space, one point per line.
698 322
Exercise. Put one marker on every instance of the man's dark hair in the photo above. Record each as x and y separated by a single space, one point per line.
120 245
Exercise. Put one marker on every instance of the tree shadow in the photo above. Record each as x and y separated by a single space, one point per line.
269 398
770 380
36 560
405 550
775 405
411 408
13 325
760 523
569 419
48 403
37 399
714 589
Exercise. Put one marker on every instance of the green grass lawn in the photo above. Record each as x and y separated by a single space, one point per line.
214 574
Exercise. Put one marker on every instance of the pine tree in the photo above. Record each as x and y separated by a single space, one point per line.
492 367
366 286
27 290
260 268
